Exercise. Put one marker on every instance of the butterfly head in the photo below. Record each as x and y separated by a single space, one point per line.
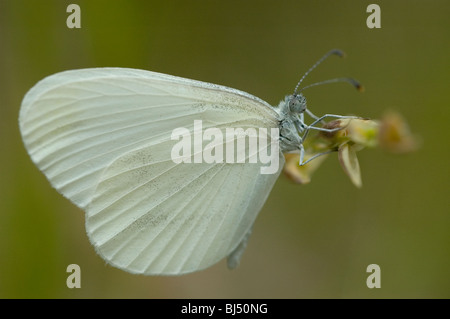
296 103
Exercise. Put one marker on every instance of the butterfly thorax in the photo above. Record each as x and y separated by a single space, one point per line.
291 123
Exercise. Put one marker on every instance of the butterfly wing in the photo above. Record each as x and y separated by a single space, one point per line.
103 139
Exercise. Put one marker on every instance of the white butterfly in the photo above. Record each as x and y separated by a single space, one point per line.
103 139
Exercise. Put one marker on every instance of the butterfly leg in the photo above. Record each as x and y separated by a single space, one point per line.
315 156
320 119
329 130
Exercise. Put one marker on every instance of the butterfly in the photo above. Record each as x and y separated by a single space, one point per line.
104 138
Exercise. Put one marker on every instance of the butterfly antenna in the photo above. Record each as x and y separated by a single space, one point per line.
352 81
332 52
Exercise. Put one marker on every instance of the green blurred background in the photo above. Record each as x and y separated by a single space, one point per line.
310 241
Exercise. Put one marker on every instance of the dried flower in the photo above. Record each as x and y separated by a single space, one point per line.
394 134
